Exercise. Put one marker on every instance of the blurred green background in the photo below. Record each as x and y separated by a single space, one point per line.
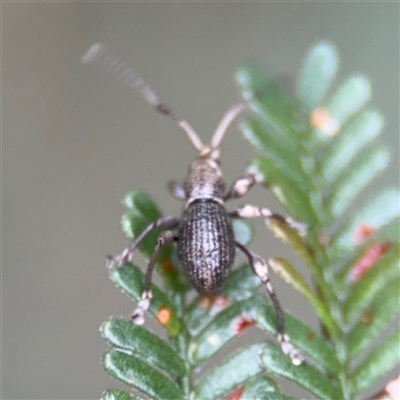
75 141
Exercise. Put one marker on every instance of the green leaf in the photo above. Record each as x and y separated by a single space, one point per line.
130 280
317 74
346 146
142 211
138 374
243 231
269 173
139 341
261 388
228 324
350 98
318 350
383 359
230 373
116 394
304 375
377 213
284 189
383 272
260 136
375 319
367 166
290 236
290 275
256 386
253 80
254 131
268 101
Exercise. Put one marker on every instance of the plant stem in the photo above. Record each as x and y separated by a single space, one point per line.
181 343
327 292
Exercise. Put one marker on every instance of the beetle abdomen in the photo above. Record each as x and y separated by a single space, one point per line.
206 245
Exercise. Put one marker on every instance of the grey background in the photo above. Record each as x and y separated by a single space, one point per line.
75 141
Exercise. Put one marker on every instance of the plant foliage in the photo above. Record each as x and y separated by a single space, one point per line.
316 151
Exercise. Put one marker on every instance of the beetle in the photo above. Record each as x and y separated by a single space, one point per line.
204 233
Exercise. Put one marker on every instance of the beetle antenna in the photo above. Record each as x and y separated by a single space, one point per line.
100 56
226 121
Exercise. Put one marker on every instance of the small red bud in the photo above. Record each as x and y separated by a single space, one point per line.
163 315
242 324
167 265
362 232
368 260
237 394
322 119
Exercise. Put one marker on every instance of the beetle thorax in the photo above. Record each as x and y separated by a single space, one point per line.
204 181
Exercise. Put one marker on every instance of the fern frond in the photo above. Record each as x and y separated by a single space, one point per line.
353 257
317 151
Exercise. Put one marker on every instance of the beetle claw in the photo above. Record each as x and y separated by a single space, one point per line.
295 355
111 262
138 315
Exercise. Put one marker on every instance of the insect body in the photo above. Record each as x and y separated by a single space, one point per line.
204 233
206 245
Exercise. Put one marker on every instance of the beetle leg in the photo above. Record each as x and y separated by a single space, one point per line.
126 255
240 187
260 268
250 211
164 239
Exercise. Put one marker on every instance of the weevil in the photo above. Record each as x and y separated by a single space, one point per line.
204 234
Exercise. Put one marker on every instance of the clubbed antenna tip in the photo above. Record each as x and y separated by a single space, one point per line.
92 52
99 56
